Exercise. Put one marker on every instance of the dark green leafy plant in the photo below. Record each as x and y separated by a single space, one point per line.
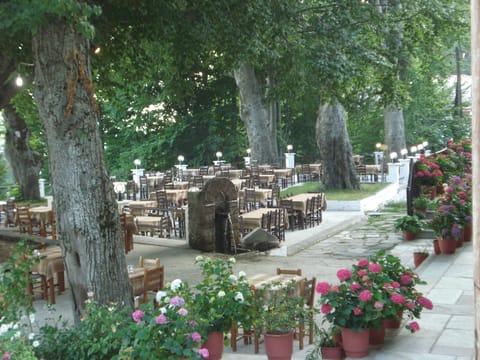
409 223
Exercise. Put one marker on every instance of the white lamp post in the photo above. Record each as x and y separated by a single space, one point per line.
289 157
180 159
137 163
247 158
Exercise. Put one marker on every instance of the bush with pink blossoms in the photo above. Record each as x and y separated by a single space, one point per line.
372 290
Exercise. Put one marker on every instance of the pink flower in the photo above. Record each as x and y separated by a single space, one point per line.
375 268
378 305
177 301
161 319
196 337
365 295
397 298
344 274
323 288
405 279
357 311
336 289
363 263
361 272
326 308
355 286
182 312
395 284
387 287
6 356
414 326
410 305
137 315
426 303
203 352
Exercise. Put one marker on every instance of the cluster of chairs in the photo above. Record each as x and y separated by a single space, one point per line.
163 219
274 223
307 292
21 217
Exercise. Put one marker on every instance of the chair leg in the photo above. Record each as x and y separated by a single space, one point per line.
301 334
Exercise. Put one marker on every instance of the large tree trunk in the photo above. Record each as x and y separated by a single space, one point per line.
86 210
335 148
25 162
394 126
259 121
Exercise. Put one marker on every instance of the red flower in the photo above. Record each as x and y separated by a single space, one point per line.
426 303
357 311
344 274
414 326
326 308
323 288
363 263
405 279
397 298
365 295
375 268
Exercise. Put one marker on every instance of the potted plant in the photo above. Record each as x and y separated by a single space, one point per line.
221 299
281 312
410 225
421 204
326 345
419 256
446 227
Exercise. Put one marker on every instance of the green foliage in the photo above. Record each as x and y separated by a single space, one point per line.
13 284
282 309
222 299
3 177
99 335
409 222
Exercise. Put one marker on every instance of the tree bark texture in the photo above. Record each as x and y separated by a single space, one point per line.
86 211
335 148
25 162
394 126
475 33
259 121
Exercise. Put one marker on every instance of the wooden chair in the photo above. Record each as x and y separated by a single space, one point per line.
24 220
10 213
153 281
203 170
131 190
198 181
127 233
147 262
51 227
144 191
178 223
250 201
295 218
307 291
274 199
297 272
278 224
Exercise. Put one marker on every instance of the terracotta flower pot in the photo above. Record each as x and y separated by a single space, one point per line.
279 347
332 353
447 245
214 345
393 323
377 336
355 343
436 247
419 258
467 234
409 235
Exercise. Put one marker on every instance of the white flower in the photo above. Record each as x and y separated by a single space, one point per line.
160 295
163 310
36 343
176 284
32 318
199 258
232 260
242 274
239 297
233 278
221 293
31 336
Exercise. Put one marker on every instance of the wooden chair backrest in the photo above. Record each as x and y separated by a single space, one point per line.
297 272
148 263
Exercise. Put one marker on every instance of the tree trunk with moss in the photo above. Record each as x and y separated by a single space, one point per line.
24 162
86 210
335 148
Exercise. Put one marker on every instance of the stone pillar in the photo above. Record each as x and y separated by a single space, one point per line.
41 186
393 173
290 160
404 171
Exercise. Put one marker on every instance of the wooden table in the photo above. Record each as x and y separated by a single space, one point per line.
253 219
261 195
299 202
51 264
138 207
42 214
259 281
